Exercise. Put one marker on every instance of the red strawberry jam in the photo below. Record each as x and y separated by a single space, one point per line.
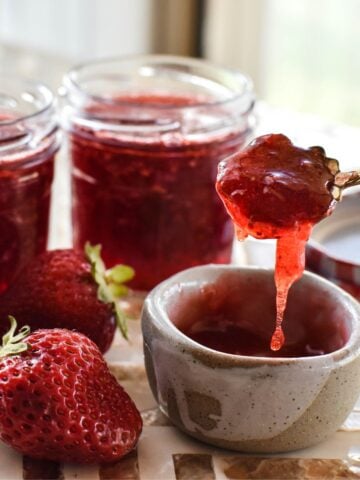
28 142
150 200
274 189
236 315
24 213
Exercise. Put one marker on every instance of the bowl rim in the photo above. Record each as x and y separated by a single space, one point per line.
319 248
315 245
153 306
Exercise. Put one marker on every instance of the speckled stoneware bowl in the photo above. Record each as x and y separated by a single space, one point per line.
245 403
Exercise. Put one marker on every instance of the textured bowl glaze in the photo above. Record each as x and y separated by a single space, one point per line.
253 404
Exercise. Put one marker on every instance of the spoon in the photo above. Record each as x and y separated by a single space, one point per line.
342 180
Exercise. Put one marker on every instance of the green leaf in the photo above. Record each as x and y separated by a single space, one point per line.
98 271
118 290
110 283
120 274
93 254
12 344
121 321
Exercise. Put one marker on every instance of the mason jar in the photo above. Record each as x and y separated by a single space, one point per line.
29 139
145 136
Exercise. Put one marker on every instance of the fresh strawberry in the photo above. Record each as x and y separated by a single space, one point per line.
68 289
58 400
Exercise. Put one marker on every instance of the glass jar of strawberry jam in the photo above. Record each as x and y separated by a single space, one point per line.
146 135
29 139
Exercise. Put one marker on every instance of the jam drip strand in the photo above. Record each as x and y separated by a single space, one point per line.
290 264
273 189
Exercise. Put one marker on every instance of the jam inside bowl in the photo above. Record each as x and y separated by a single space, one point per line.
333 249
206 342
235 315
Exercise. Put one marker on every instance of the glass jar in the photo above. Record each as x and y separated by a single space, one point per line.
28 142
146 135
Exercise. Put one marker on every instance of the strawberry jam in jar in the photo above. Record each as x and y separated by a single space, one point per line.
29 139
146 135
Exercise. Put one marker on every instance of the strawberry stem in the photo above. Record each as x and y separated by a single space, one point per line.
110 283
12 344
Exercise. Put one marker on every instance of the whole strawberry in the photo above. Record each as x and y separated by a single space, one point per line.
68 289
58 400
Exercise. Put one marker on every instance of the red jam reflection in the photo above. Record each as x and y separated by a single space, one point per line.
276 190
151 203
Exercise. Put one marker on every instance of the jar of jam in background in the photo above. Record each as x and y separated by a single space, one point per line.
146 135
29 139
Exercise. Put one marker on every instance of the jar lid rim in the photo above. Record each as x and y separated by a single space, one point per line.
72 83
24 82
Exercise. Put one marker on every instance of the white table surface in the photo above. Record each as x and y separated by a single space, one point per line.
154 457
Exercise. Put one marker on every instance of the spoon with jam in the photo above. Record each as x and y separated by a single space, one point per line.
273 189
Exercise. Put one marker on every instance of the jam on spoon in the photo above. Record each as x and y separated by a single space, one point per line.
273 189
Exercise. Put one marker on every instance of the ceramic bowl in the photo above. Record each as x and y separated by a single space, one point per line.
333 249
246 403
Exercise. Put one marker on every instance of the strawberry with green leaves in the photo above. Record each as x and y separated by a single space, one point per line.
69 289
59 401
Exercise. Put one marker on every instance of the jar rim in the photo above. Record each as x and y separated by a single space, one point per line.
243 82
45 101
28 119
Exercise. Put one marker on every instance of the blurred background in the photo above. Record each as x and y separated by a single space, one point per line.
302 55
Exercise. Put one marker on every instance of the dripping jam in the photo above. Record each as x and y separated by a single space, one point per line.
273 189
